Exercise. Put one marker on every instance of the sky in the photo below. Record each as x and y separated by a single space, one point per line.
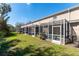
26 12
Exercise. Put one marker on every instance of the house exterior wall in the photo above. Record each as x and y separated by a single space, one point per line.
63 16
69 15
74 15
75 31
44 21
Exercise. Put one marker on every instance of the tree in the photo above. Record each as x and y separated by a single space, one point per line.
4 9
11 28
18 26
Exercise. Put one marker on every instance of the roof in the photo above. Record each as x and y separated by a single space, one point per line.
57 13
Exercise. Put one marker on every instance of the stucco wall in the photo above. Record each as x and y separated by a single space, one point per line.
74 15
75 30
44 21
63 16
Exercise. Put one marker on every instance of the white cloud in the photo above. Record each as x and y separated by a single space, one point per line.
28 3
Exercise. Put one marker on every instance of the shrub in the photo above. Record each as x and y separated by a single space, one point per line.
43 36
2 34
31 50
46 51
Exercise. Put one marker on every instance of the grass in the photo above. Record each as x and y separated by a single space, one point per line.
20 44
26 40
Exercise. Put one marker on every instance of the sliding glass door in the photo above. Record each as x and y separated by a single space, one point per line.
56 34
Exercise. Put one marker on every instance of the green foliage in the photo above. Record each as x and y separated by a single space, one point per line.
31 50
5 45
18 26
4 8
11 28
48 51
4 29
2 34
20 45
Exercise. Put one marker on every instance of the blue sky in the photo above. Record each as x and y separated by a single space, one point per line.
23 12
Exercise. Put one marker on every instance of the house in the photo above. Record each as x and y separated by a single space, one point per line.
60 28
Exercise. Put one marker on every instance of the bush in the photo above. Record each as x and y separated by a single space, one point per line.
43 36
2 34
31 50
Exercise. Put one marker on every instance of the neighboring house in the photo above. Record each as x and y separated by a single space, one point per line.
60 28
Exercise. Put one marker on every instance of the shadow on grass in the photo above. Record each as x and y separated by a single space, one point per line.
4 46
31 50
21 52
1 40
11 34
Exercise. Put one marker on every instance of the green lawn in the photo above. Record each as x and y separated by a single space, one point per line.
20 44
